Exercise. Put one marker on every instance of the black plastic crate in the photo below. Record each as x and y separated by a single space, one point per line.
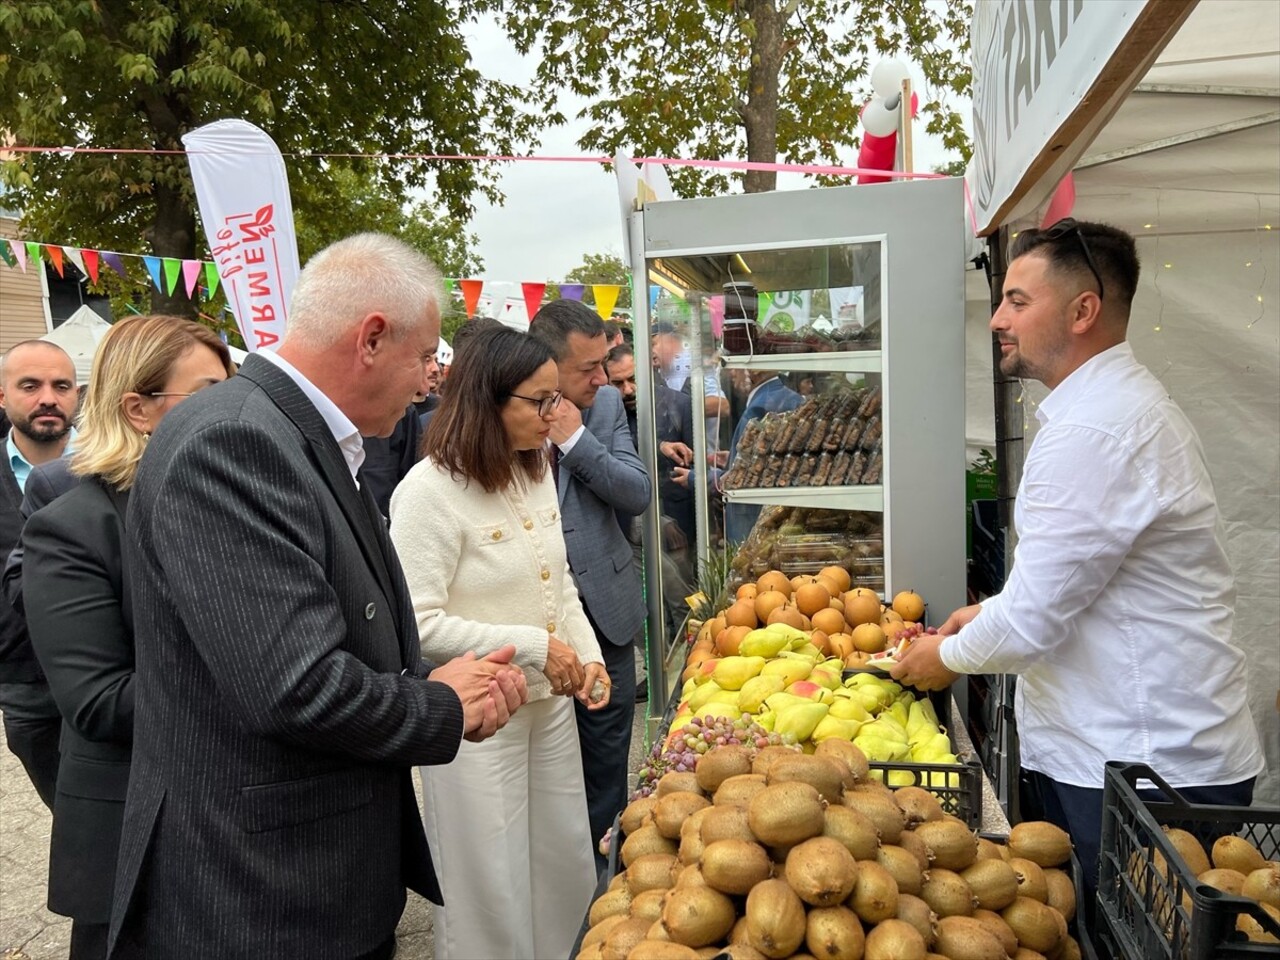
958 786
1141 910
987 570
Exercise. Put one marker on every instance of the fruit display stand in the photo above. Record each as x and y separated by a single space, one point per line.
1155 903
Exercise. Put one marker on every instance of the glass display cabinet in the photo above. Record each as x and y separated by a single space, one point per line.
805 402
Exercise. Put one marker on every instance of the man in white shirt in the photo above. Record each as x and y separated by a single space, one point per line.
1117 614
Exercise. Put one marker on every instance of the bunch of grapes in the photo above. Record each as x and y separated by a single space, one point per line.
679 753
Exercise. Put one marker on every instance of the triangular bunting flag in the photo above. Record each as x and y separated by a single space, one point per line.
153 268
33 252
471 294
448 287
532 296
73 254
211 279
654 292
90 264
191 274
19 253
606 295
55 256
172 270
571 291
7 256
113 261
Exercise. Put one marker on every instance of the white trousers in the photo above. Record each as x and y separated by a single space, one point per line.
508 828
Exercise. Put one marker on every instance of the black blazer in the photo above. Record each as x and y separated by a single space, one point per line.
79 621
279 698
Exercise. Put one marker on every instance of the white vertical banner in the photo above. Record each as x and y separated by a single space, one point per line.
243 193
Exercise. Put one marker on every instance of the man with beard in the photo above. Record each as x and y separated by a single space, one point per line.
38 395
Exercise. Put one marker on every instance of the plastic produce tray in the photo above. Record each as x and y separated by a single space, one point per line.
1141 914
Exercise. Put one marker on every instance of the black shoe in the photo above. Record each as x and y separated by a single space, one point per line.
642 691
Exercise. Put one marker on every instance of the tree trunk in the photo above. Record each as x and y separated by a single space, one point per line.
172 234
760 114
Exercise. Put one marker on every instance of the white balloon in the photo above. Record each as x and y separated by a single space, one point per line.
887 77
878 120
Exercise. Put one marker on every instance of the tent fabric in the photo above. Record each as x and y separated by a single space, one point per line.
1206 213
79 335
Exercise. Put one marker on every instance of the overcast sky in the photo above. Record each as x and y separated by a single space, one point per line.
554 214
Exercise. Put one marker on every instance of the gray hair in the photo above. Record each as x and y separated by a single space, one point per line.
356 276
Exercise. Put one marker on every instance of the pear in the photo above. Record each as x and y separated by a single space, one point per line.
825 676
756 690
845 708
833 728
702 696
732 672
799 721
763 643
809 690
789 668
878 749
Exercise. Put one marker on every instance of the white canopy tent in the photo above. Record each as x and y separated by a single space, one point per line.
79 335
1190 164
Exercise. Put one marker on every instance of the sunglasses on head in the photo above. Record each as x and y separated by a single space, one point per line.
1067 227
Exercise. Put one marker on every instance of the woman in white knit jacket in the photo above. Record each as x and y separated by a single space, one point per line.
477 527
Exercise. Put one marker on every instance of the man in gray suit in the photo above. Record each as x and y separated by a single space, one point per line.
281 696
598 473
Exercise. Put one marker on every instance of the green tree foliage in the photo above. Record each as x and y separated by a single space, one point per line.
338 76
727 79
602 268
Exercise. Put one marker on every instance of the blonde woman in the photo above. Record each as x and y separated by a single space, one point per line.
77 605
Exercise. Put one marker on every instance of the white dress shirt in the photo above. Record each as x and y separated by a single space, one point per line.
1117 614
344 431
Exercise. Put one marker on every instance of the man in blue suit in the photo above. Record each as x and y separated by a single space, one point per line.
598 473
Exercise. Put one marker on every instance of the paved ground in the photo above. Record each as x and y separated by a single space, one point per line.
30 932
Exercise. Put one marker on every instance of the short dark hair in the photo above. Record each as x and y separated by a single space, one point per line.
466 435
556 320
611 329
1113 250
617 353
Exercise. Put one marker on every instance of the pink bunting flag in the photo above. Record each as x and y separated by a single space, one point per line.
606 295
90 264
532 296
113 261
471 294
571 291
191 276
20 253
55 256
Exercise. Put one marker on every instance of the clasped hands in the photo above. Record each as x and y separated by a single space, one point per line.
569 677
491 689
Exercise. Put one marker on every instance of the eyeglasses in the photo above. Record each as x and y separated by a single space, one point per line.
545 404
1066 227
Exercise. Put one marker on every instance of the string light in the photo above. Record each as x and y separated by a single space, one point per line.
1147 226
1248 263
1156 328
1168 266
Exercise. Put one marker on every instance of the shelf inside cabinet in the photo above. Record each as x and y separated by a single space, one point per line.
854 497
848 361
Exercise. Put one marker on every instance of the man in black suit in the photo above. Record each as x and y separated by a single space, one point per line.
38 396
281 698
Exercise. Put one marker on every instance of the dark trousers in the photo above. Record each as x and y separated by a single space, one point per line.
605 740
32 729
1078 810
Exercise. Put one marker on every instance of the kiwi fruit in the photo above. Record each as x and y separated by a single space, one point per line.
672 810
735 866
726 823
613 903
1031 882
622 938
1224 879
880 810
786 813
678 781
740 951
918 804
846 753
766 756
987 850
834 933
821 871
648 905
662 950
739 932
1263 885
916 847
619 880
1024 954
993 883
593 952
599 931
947 893
691 844
855 830
697 916
917 913
1061 892
635 814
826 776
1253 929
650 872
903 867
1189 849
995 923
894 940
775 919
656 932
646 840
875 895
871 786
952 845
718 765
738 791
968 938
1036 925
1236 853
1041 842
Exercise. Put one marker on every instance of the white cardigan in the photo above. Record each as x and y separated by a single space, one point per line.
488 569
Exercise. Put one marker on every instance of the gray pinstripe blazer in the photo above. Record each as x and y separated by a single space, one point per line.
270 811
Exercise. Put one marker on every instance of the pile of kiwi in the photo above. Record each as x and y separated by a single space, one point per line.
805 856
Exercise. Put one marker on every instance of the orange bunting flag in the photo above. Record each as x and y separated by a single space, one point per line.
471 294
55 256
90 264
532 296
606 295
